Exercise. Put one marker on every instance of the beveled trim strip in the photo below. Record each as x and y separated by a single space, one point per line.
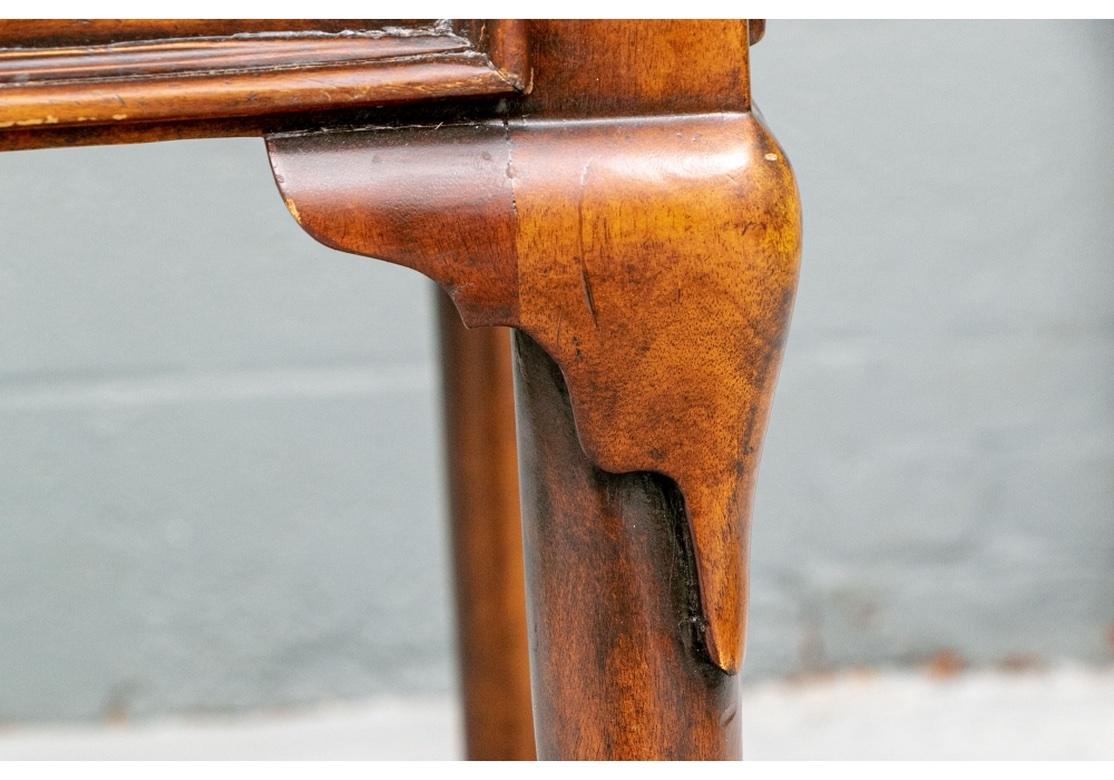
253 74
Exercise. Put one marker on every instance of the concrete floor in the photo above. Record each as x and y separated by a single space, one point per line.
1064 713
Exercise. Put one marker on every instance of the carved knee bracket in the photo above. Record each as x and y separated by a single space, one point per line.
654 258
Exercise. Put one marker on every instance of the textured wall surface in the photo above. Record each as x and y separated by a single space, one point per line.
939 470
220 468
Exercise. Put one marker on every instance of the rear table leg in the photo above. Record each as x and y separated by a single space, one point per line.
486 539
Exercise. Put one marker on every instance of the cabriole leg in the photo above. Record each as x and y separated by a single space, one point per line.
618 671
639 226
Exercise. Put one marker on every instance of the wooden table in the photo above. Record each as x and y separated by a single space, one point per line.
603 189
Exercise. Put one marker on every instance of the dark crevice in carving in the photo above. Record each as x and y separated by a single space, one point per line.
692 623
643 278
668 504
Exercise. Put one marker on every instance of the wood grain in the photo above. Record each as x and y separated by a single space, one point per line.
619 672
655 259
638 67
642 228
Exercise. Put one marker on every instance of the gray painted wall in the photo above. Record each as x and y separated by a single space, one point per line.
220 463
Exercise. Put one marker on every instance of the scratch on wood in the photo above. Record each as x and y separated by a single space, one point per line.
585 284
293 209
49 119
510 165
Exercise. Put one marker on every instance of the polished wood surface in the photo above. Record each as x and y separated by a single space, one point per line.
619 669
652 257
603 188
201 72
486 539
637 68
91 32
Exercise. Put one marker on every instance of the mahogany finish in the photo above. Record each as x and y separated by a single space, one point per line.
638 68
90 32
203 71
654 258
606 191
619 671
